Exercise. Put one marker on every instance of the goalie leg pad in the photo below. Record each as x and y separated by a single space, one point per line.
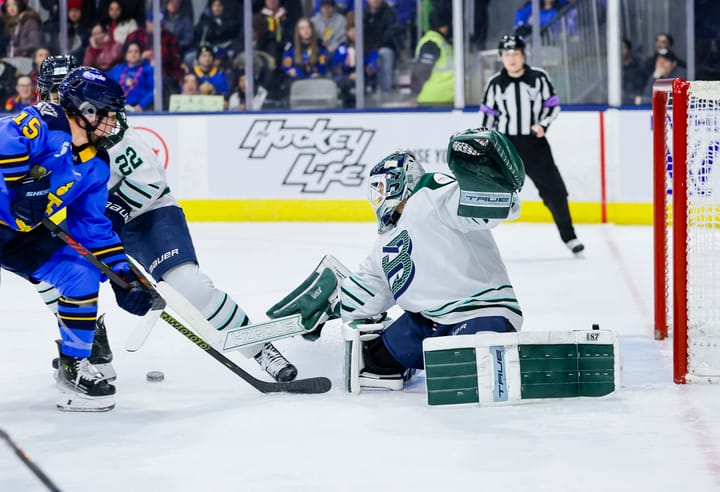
505 368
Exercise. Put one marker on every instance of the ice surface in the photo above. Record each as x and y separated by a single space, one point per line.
204 429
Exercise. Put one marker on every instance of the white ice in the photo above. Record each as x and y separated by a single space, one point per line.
205 429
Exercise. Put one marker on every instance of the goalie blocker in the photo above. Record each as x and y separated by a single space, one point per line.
504 368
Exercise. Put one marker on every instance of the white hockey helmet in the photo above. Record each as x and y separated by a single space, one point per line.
391 181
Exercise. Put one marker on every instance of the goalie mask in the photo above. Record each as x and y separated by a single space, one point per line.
391 181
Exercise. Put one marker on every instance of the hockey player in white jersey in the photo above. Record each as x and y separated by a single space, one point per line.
435 258
153 229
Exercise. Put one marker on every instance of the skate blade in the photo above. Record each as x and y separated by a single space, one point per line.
74 403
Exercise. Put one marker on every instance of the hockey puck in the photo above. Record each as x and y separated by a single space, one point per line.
155 376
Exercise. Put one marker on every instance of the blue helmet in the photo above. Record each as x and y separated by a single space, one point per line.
53 70
89 95
391 181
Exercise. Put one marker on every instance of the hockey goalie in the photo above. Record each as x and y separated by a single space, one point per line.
435 258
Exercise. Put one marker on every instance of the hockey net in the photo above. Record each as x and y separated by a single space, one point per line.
686 141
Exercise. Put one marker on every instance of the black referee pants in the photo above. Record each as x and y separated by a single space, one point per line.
540 167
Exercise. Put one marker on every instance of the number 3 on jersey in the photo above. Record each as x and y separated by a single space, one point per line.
128 162
397 263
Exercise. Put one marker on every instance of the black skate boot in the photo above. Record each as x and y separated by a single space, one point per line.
275 364
101 356
82 388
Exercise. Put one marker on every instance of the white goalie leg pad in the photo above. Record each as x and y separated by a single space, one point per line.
489 369
356 334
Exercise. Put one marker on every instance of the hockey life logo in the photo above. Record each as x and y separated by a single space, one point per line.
322 154
500 392
397 264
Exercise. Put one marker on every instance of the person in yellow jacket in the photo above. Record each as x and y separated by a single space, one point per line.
433 74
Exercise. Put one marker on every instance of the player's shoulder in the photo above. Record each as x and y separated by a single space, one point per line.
433 181
52 115
538 72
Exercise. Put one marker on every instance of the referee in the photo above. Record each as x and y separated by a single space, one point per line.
520 102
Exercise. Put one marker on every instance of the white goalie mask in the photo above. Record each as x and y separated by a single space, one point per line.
391 181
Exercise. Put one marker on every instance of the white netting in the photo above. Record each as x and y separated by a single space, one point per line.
703 229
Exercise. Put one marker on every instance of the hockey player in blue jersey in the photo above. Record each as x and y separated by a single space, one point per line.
153 229
52 158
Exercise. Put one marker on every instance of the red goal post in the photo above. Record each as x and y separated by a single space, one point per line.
686 230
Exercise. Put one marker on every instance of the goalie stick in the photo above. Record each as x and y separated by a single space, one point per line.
305 386
27 461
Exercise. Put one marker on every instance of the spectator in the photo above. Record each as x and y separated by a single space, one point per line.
131 9
344 64
382 34
77 32
7 80
663 41
343 7
40 54
237 101
667 66
172 71
523 16
270 27
633 76
118 25
305 58
23 28
433 77
207 72
330 26
24 95
135 76
480 24
103 52
216 28
179 25
190 85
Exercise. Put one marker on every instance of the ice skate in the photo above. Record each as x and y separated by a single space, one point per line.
101 356
82 388
576 247
275 364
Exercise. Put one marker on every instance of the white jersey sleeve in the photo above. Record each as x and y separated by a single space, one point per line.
138 176
433 262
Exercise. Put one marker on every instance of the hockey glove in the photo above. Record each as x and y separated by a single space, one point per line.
136 299
488 170
31 199
118 211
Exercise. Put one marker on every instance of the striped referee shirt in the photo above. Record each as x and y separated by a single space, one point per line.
513 105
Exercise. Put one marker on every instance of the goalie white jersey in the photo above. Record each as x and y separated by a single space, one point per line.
138 176
433 262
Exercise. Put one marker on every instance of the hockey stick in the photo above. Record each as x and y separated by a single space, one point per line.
310 385
25 458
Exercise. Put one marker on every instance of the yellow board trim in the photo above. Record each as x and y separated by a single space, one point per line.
360 211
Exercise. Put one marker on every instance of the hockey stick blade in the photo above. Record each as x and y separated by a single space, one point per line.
305 386
137 338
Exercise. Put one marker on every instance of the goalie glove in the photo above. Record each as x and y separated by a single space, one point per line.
488 170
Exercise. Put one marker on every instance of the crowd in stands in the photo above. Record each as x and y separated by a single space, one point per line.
207 57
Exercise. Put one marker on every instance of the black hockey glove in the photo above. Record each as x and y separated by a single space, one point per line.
118 211
31 199
136 300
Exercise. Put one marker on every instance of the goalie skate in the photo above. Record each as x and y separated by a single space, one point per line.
82 388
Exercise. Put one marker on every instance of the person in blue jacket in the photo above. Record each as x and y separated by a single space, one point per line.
53 158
